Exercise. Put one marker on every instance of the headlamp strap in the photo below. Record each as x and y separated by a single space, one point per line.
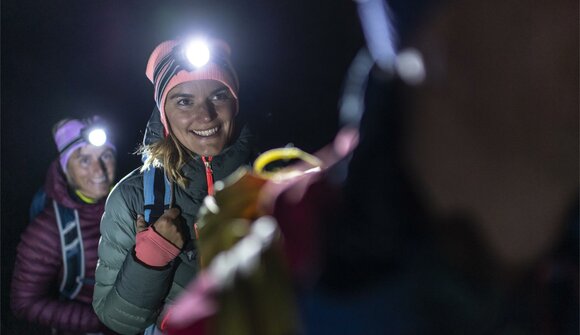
76 140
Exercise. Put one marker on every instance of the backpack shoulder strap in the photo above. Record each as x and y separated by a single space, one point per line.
37 204
73 256
156 193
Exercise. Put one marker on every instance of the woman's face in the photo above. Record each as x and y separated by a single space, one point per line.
91 170
201 115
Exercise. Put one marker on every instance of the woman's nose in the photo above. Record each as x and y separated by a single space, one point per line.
205 112
98 168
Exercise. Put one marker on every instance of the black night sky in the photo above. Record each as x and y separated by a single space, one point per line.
78 58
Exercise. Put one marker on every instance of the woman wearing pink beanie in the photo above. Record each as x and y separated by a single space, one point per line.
147 255
53 277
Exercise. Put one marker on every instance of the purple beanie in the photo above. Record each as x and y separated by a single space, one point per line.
68 138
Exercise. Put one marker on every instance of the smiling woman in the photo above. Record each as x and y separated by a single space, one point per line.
146 260
60 243
91 170
201 115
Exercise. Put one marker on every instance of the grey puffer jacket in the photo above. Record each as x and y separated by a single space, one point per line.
129 295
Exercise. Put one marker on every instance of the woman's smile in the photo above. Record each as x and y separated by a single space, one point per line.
206 133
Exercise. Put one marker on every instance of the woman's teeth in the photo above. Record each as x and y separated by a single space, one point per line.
207 132
99 180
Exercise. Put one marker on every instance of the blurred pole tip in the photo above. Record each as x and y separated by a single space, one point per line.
211 204
410 66
377 25
351 105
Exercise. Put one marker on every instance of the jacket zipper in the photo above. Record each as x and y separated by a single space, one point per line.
208 173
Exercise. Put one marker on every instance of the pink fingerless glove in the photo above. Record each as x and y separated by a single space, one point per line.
154 250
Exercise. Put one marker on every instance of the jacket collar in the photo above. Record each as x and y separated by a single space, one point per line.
239 153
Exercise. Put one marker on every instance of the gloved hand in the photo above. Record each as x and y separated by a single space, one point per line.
160 243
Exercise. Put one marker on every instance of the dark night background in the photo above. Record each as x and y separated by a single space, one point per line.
78 58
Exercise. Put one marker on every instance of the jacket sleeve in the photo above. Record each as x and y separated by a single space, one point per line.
34 292
128 294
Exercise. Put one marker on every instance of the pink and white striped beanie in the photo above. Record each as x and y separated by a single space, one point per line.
166 69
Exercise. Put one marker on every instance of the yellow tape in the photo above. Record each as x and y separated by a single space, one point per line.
282 154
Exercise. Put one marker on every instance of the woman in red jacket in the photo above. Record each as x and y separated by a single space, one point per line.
49 287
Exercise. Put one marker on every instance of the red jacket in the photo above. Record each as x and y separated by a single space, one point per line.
38 268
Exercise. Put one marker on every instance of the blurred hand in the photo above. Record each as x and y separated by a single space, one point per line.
226 217
169 225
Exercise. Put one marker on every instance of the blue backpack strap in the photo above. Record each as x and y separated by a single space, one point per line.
156 186
37 204
73 255
156 194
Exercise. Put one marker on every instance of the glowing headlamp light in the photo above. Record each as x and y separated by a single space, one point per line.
190 55
93 134
197 53
96 136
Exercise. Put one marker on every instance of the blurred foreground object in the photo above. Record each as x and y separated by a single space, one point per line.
250 261
459 210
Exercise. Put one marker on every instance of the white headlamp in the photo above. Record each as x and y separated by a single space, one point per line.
96 136
197 52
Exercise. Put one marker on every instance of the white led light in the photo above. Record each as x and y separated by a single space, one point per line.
97 137
197 53
410 66
211 204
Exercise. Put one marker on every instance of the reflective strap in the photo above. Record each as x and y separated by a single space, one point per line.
72 249
148 196
167 197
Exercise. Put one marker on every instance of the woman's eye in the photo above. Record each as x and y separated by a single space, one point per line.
221 96
185 102
84 161
107 157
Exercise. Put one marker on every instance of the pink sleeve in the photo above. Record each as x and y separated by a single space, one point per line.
153 249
